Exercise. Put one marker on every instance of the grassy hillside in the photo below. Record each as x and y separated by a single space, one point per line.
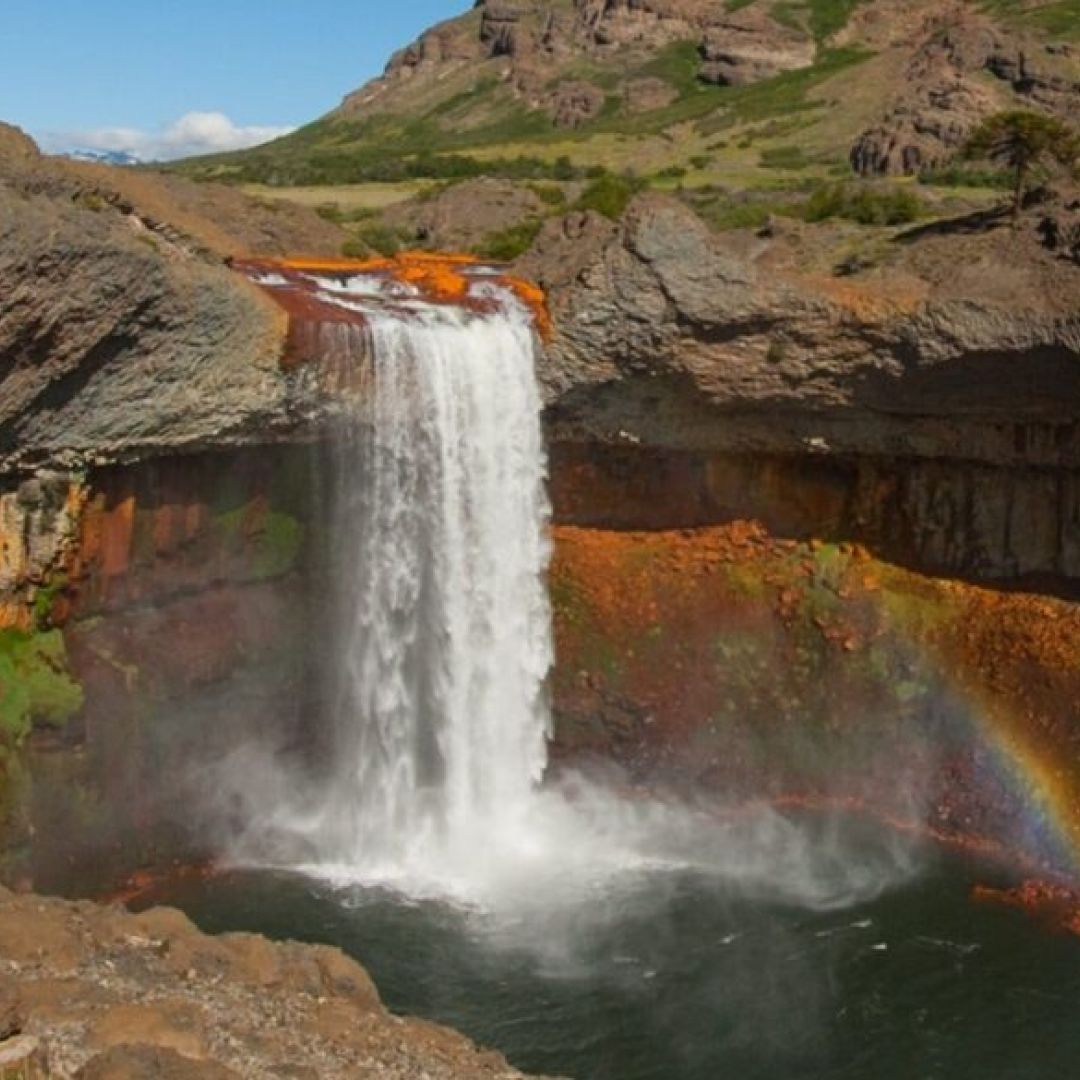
488 115
771 143
482 131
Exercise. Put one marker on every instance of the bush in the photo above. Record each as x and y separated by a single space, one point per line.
355 248
863 204
955 176
508 244
784 157
373 238
609 195
549 194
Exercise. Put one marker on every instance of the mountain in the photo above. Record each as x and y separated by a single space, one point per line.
697 91
102 157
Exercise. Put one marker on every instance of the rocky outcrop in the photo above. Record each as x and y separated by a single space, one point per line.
171 215
527 43
122 332
574 102
106 995
667 335
1060 226
945 92
940 411
749 46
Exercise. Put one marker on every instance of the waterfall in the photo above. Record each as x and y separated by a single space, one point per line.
439 644
443 623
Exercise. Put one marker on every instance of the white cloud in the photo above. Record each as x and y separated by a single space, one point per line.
193 133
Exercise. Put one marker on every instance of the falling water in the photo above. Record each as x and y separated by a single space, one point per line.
445 635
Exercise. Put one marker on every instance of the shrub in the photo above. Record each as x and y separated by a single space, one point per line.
549 194
1025 143
955 176
609 195
863 204
784 157
374 237
507 244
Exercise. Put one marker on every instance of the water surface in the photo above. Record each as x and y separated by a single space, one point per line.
684 975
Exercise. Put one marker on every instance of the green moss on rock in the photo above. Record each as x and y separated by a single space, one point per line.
36 685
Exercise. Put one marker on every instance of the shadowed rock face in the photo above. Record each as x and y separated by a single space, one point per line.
121 331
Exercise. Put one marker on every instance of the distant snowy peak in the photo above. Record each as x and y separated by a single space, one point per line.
103 157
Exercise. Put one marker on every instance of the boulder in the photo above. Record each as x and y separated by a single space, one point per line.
648 93
574 103
1059 226
11 1010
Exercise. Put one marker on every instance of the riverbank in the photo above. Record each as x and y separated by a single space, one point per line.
105 995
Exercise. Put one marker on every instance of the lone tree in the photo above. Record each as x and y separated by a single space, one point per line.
1024 142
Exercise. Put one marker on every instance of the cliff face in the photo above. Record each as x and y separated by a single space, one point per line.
727 663
160 563
121 332
928 410
948 354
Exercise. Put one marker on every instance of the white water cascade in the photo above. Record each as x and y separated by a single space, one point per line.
445 629
440 644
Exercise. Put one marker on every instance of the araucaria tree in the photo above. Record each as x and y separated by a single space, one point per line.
1024 143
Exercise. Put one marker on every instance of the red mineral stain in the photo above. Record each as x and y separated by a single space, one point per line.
437 279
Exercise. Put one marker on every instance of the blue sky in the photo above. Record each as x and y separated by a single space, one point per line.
171 74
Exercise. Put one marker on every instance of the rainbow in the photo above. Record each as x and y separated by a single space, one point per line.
1045 788
1029 784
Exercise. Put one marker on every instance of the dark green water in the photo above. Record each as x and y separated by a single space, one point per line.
680 976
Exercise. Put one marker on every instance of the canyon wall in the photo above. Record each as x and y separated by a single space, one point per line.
172 625
792 510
